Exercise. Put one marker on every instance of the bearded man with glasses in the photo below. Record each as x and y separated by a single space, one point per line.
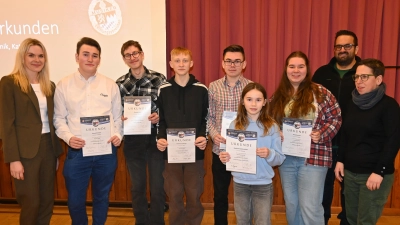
336 76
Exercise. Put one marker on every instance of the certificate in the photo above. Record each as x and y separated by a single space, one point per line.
297 140
137 109
242 147
96 131
181 148
227 118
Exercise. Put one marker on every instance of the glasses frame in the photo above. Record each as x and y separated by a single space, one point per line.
346 47
135 54
236 63
363 77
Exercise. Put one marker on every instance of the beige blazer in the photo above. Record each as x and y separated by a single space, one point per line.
20 122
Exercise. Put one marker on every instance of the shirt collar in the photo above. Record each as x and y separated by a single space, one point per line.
83 78
145 73
239 81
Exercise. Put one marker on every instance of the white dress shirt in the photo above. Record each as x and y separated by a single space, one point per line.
77 97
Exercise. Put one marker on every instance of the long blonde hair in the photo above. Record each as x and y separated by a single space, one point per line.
19 72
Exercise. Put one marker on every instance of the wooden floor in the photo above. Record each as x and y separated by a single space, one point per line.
123 216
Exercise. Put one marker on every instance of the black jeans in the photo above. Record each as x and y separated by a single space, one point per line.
221 180
328 192
140 152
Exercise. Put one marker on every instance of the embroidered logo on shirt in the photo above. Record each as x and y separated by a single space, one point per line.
101 94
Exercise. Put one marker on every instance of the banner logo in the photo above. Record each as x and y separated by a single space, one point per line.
105 16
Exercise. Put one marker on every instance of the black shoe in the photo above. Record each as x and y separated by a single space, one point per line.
343 219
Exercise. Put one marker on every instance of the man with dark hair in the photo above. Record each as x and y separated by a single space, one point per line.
224 96
87 93
88 41
141 150
336 76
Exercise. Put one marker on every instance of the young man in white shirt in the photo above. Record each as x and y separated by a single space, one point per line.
86 93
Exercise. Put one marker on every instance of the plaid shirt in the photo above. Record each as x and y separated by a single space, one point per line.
222 98
146 86
327 122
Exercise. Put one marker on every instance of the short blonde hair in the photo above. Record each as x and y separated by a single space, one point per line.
181 50
19 72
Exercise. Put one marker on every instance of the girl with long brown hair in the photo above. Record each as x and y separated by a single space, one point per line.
303 178
254 192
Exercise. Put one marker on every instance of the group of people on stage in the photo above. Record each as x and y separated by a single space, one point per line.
355 136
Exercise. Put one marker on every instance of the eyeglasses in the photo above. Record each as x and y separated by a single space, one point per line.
236 63
346 47
364 77
135 54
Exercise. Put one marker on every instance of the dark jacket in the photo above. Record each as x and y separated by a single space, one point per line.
371 138
183 107
20 121
341 88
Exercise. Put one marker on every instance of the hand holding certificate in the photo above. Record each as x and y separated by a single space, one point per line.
96 132
181 147
242 147
137 109
227 118
297 140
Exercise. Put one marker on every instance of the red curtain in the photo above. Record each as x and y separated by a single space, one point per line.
269 30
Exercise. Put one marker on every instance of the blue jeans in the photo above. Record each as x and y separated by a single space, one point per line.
140 153
77 173
362 205
253 200
303 188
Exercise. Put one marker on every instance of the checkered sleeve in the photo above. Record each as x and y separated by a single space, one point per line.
331 116
212 119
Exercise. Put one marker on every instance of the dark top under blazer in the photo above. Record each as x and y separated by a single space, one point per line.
20 121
